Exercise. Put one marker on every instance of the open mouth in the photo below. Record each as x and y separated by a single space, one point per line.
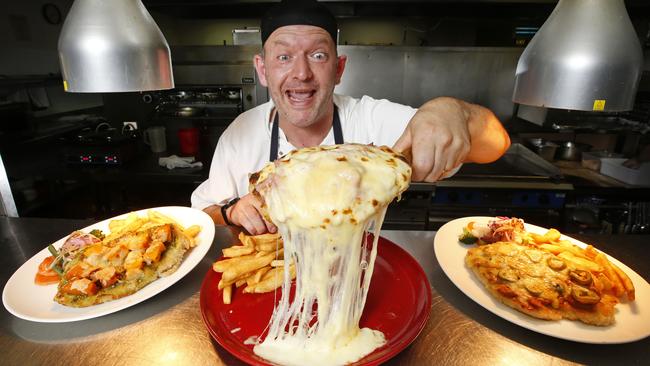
300 95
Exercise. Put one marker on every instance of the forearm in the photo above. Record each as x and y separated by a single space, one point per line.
449 108
214 212
489 140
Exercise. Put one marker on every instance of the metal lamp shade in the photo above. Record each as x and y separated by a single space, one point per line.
113 46
585 57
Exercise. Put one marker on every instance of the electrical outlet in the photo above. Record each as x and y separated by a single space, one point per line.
134 125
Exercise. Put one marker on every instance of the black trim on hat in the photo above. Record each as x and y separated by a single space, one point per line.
298 12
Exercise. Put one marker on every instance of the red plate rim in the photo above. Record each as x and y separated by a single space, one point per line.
411 329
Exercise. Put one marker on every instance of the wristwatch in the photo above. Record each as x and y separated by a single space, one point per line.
224 208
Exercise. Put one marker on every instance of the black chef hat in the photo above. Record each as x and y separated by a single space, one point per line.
298 12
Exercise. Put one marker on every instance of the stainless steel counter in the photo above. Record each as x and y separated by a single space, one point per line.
168 330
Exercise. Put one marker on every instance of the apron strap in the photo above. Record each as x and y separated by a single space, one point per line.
273 155
336 126
275 132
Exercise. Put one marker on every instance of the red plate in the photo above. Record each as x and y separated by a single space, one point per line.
398 304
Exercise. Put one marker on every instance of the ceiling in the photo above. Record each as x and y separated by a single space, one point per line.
498 9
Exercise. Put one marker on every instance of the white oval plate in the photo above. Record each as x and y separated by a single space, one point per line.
632 319
33 302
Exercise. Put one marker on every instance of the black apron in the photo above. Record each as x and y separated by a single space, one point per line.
275 131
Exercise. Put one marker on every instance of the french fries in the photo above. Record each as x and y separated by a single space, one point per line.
227 295
579 262
133 223
258 263
606 275
271 280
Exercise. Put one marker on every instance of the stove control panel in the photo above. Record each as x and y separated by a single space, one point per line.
499 198
94 159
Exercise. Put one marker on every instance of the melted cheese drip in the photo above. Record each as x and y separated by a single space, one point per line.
323 200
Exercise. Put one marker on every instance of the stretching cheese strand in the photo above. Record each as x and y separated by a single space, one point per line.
323 200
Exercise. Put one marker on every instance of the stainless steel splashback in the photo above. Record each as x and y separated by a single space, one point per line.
408 75
413 75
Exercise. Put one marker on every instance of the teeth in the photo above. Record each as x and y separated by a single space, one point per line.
300 96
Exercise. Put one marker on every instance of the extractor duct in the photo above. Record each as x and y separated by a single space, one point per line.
585 57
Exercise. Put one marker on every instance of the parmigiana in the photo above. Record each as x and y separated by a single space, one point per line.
323 200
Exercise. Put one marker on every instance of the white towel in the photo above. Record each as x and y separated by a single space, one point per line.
174 161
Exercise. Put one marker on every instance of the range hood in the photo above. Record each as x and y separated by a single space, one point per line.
113 46
585 57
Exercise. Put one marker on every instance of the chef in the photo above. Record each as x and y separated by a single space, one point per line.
300 66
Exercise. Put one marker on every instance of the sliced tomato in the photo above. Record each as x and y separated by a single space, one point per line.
46 275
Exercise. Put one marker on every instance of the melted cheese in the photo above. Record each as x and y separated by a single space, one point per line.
323 201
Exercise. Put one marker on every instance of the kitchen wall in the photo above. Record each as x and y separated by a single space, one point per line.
371 31
29 65
483 75
200 32
28 41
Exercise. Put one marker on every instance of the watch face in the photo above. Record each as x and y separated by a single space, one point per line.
51 13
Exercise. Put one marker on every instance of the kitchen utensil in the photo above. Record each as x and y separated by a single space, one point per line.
543 148
155 138
571 151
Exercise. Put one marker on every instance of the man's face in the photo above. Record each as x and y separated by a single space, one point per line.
301 68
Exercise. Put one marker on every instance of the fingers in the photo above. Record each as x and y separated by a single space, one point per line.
252 221
431 155
438 142
404 141
439 161
436 157
247 213
424 158
270 227
438 167
465 149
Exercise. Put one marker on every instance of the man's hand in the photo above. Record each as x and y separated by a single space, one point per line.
247 214
446 132
438 137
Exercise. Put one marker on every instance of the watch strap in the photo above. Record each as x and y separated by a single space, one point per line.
224 210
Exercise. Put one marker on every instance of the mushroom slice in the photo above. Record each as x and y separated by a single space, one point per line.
508 274
534 255
534 286
556 264
581 277
584 295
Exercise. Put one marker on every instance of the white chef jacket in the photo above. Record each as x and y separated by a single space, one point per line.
244 146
